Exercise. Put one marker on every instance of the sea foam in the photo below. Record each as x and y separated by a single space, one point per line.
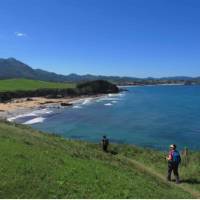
11 119
35 113
35 121
108 104
77 107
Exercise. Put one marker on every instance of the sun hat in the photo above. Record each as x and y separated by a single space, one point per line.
172 146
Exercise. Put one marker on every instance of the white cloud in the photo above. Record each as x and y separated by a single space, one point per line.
20 34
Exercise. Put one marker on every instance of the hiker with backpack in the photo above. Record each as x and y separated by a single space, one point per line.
105 143
174 160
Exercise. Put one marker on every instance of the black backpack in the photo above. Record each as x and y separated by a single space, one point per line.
105 142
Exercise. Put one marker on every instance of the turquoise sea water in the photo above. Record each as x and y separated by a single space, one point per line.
149 116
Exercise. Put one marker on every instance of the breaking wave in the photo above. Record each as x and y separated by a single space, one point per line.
108 104
34 121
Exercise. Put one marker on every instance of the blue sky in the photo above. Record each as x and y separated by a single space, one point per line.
139 38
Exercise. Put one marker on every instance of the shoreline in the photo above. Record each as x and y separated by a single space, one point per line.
21 106
140 85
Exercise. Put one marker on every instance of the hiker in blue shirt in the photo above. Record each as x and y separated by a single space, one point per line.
174 160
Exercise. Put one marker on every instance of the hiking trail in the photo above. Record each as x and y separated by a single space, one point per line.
152 172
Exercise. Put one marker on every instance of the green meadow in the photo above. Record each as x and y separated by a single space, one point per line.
40 165
26 84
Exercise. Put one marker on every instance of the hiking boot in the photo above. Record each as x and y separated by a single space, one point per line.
177 180
169 179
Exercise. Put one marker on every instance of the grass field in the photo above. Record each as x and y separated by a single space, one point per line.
25 84
39 165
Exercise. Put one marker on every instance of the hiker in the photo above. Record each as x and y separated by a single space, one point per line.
174 160
105 143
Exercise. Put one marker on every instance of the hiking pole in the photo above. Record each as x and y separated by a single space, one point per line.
185 156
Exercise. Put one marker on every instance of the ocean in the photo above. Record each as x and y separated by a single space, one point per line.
148 116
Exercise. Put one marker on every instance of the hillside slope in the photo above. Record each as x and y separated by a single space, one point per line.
13 68
38 165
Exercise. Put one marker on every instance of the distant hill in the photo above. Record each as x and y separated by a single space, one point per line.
13 68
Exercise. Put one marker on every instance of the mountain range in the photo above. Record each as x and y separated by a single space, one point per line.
13 68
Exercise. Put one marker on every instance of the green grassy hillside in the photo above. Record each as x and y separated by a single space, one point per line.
39 165
26 84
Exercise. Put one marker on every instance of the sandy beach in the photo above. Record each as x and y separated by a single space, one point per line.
24 105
